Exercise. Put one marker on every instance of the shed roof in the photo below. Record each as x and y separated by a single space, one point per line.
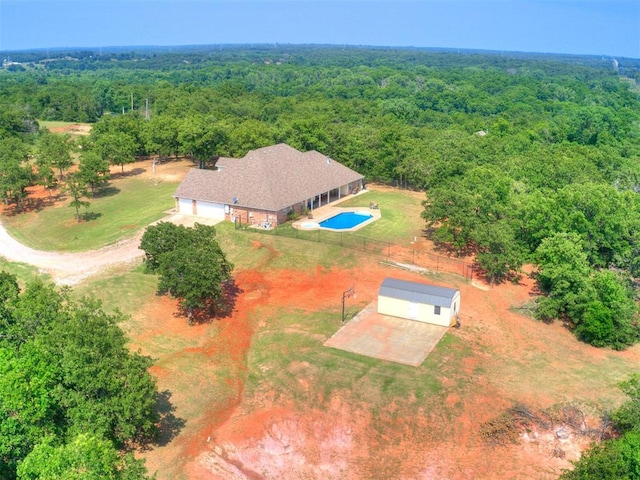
270 178
417 292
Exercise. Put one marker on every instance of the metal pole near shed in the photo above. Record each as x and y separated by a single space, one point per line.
346 294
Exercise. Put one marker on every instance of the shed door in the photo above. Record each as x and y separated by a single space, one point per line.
413 311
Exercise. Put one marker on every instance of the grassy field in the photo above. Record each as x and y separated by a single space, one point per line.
122 288
120 211
400 210
23 272
291 340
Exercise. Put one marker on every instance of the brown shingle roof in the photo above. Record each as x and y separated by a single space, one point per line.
269 178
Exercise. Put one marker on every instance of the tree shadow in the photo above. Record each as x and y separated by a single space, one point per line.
89 216
169 426
230 293
447 248
31 204
107 191
512 276
215 309
128 173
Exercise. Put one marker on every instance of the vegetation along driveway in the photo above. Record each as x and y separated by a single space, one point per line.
72 268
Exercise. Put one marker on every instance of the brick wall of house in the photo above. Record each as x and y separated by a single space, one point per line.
250 216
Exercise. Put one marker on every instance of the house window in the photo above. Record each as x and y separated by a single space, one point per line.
436 309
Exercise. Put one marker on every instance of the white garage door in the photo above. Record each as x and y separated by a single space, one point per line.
185 206
210 210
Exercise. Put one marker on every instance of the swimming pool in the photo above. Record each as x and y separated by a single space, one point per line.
345 220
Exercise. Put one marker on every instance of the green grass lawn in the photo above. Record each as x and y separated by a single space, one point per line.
121 288
292 347
23 272
127 205
400 213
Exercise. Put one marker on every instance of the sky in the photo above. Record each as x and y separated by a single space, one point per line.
592 27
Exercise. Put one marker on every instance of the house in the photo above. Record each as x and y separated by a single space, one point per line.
419 301
265 186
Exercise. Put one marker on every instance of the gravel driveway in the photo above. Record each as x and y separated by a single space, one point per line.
72 268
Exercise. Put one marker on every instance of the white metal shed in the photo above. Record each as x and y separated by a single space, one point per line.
419 301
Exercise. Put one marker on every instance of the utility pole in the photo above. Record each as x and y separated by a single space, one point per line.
146 109
132 101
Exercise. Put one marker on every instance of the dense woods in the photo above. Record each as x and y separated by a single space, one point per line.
71 393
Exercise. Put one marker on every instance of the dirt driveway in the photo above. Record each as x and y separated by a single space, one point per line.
72 268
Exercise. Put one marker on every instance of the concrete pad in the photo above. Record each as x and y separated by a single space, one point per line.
387 338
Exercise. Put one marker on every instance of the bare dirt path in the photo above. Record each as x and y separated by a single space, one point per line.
70 268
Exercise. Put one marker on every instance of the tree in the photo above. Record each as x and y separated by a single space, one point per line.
158 239
107 389
617 459
609 318
160 135
86 457
116 148
77 188
28 410
627 416
199 138
15 173
65 370
457 209
563 276
191 265
55 151
93 170
499 254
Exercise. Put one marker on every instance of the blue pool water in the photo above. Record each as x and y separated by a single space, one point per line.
345 220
